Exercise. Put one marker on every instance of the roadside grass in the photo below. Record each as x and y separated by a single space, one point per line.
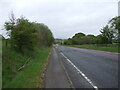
111 48
29 77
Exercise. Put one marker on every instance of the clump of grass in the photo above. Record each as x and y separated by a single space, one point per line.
11 61
28 77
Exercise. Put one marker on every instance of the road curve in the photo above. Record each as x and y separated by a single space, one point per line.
90 68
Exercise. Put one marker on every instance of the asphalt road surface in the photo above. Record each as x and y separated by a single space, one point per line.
55 76
85 68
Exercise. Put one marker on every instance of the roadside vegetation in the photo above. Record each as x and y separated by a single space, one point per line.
28 77
25 53
108 40
109 47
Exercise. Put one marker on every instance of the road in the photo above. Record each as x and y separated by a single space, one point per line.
89 68
55 76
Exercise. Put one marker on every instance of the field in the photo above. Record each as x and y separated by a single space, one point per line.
29 77
111 48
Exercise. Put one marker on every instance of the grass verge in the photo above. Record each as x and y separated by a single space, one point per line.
111 48
28 77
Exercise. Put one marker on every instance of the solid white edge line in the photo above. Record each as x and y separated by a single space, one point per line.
80 72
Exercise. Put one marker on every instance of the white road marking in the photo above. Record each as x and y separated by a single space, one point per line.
80 72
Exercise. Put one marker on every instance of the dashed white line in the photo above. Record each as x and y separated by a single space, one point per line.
80 72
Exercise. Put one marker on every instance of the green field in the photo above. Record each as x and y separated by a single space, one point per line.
29 77
111 48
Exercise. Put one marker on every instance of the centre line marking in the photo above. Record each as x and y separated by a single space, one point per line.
80 72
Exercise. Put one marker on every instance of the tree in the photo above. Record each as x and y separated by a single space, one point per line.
115 25
68 41
10 25
90 39
78 38
99 39
44 34
22 33
78 35
107 34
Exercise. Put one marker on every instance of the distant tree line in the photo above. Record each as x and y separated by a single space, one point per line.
25 35
109 34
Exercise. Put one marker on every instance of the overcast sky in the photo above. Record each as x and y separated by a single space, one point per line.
63 17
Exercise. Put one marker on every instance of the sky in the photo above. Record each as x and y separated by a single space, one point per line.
63 17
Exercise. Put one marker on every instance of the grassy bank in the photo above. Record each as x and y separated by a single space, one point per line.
29 77
111 48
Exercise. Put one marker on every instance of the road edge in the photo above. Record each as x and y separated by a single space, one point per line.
42 77
68 78
94 49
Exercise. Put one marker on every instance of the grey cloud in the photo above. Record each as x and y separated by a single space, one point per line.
65 18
